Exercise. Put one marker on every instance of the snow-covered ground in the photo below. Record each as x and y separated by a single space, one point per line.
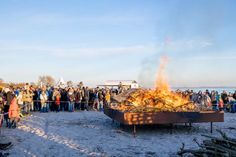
93 134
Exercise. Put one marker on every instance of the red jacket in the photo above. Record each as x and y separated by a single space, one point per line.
14 111
221 103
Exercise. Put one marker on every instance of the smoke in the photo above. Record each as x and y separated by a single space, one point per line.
147 72
161 81
188 21
147 75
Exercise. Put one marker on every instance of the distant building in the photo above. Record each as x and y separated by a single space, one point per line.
132 84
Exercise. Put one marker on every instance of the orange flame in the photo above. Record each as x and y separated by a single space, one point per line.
161 81
160 99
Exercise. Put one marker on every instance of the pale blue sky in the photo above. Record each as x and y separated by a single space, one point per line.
98 40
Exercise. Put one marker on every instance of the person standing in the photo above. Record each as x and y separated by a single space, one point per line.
100 98
31 105
214 100
43 99
57 101
71 101
108 97
218 96
120 88
28 100
78 99
64 100
234 95
207 101
224 97
96 100
86 95
9 98
49 92
36 99
56 96
20 100
221 104
14 113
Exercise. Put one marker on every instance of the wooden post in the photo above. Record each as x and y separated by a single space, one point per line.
121 126
171 130
190 124
134 131
211 127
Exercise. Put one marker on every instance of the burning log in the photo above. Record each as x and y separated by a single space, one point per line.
153 101
214 146
159 99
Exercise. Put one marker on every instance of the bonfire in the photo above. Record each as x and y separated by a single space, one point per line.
159 99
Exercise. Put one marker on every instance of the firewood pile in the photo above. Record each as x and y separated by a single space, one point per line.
147 100
223 146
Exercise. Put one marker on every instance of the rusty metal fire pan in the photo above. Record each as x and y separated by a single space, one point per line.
147 118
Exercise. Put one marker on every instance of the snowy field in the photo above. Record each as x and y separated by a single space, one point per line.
93 134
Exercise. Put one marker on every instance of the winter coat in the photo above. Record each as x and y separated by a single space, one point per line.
43 98
207 101
20 99
100 96
71 96
54 94
64 96
57 99
224 97
28 97
108 97
221 103
86 94
14 110
36 95
78 96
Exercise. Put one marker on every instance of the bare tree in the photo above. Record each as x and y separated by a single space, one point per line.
46 80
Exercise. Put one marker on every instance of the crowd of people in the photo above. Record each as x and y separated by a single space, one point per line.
17 102
212 99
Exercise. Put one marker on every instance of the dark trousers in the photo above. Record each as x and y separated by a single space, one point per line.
62 106
78 105
57 108
36 105
13 122
6 117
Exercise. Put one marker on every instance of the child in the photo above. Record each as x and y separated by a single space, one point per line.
14 113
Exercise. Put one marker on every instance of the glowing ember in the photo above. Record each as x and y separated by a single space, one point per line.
160 99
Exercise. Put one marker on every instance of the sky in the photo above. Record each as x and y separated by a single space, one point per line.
94 41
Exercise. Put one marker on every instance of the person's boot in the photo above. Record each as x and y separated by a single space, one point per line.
10 125
7 123
14 126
